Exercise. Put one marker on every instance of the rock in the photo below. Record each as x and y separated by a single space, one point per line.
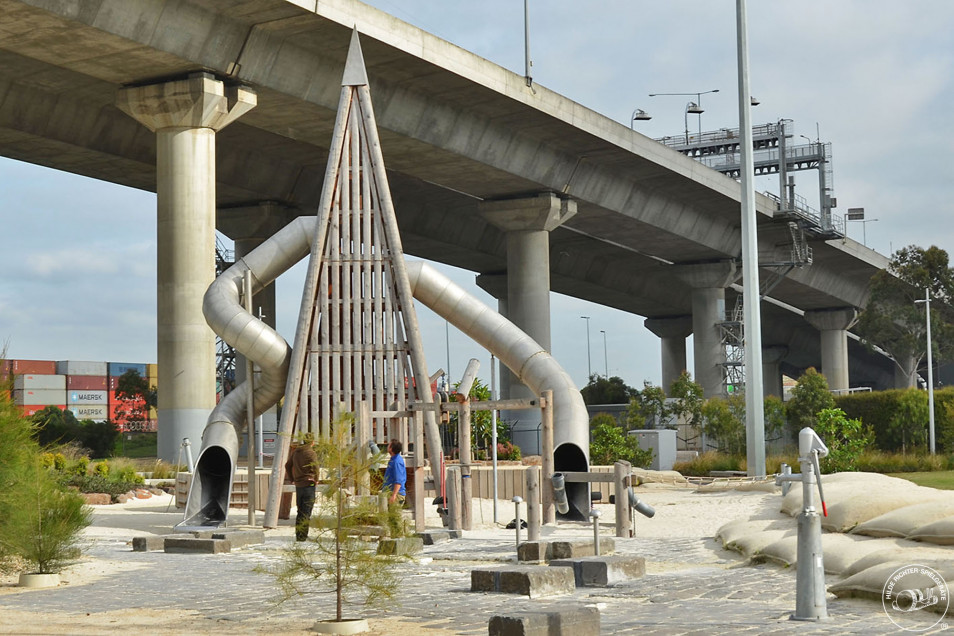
97 498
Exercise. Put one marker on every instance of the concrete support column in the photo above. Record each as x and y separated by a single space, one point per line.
708 282
185 115
528 223
833 325
771 369
672 333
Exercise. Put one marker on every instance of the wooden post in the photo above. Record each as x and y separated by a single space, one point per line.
453 498
533 503
549 508
466 483
363 436
621 478
418 436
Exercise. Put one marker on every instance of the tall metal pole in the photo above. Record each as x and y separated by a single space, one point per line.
493 428
754 416
605 357
930 366
589 366
526 43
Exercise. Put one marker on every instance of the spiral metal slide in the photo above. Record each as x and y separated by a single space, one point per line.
211 488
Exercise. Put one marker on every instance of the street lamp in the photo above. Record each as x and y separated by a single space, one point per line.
639 115
605 357
930 365
858 214
589 368
692 107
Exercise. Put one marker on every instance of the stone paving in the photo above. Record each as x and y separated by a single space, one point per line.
692 587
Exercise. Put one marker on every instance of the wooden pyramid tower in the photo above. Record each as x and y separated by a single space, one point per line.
357 338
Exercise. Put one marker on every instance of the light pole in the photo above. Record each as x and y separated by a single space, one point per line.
930 365
692 107
638 115
589 368
858 214
605 357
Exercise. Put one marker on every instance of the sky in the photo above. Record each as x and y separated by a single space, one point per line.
873 77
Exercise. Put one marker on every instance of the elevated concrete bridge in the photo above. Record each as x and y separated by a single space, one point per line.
478 161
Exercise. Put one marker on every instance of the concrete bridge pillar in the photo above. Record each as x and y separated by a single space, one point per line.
528 223
708 282
771 369
833 325
185 115
672 333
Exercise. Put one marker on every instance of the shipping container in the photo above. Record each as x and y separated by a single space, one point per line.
86 397
87 383
116 369
34 382
153 425
114 410
32 409
80 367
39 396
153 414
36 367
152 370
95 412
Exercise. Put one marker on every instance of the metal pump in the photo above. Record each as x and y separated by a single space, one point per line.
810 601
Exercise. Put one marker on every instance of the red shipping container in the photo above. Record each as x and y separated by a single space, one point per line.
115 407
113 400
86 382
35 367
30 410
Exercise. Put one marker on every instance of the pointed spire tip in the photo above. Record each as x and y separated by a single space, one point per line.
354 71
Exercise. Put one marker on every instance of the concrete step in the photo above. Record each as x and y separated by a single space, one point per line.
194 545
600 571
549 550
569 621
529 580
402 546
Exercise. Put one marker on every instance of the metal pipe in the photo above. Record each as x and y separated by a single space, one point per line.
595 516
516 508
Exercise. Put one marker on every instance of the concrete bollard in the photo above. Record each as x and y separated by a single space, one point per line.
516 509
533 503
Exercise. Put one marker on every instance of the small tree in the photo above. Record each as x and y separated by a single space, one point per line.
333 560
809 397
135 398
648 407
724 422
909 420
609 444
846 439
688 396
41 522
612 390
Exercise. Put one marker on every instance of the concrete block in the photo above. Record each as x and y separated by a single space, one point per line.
533 551
600 571
431 537
401 546
193 545
569 621
239 538
577 549
537 581
150 544
484 580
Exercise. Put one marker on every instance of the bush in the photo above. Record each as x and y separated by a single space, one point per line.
809 397
608 444
508 451
881 410
845 438
99 483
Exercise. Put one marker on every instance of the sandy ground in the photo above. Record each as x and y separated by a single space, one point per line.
680 512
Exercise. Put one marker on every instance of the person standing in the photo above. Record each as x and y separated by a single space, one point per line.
302 467
395 478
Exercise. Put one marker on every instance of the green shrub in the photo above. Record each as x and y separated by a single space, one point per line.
508 451
809 397
845 438
79 467
162 470
46 460
122 469
101 468
609 444
99 483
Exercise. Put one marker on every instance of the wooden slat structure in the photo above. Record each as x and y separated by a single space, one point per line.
358 340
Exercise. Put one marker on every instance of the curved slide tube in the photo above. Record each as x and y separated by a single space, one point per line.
527 359
211 489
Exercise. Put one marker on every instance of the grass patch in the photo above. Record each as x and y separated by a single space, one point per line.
943 479
136 445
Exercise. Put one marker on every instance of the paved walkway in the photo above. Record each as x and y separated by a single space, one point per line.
692 587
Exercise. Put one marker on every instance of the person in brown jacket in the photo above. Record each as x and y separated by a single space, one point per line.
302 468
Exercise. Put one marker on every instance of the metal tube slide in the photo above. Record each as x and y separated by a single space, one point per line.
211 488
527 359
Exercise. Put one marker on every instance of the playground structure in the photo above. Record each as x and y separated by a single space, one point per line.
357 346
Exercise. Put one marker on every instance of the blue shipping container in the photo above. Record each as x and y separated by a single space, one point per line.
116 369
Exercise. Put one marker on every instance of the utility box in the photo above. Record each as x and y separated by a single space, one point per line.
662 442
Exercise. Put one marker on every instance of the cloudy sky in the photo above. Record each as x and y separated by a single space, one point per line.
873 77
